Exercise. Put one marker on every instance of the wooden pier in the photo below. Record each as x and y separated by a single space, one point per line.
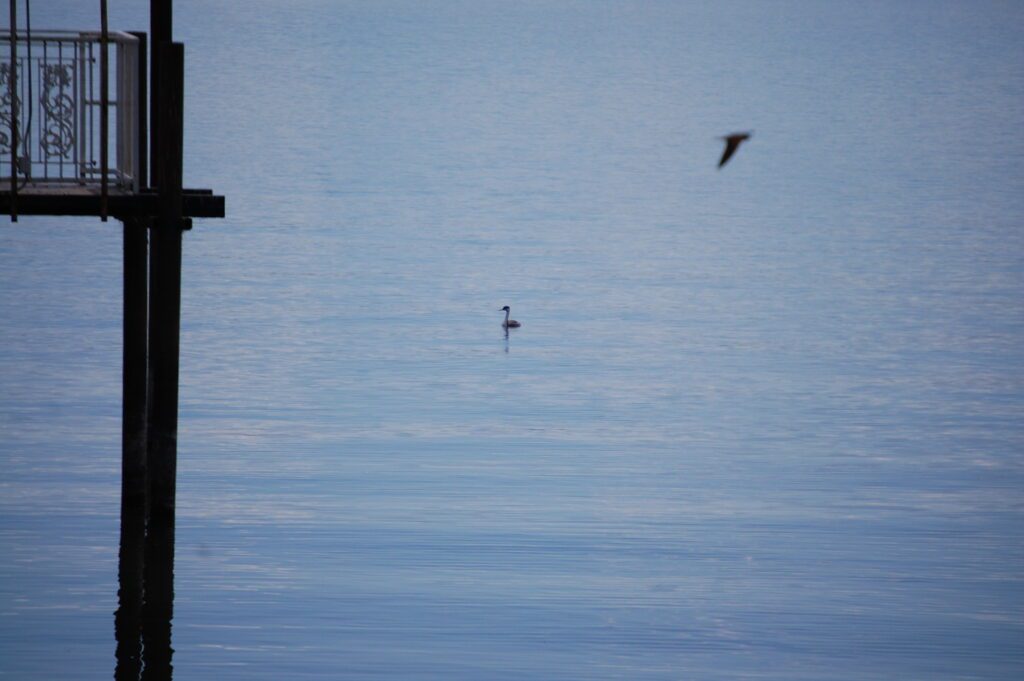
155 211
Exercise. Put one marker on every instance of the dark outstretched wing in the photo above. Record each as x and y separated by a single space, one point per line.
731 144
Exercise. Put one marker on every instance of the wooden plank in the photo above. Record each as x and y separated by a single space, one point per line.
195 204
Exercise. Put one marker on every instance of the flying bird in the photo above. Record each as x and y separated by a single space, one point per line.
732 143
509 323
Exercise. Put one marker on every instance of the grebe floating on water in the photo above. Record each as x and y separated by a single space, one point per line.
509 323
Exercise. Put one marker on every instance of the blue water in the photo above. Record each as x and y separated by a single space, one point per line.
762 422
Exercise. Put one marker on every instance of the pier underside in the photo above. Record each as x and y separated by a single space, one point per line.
72 199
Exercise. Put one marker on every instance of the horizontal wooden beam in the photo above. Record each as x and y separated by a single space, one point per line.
196 203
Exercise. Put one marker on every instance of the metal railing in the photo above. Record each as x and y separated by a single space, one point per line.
56 101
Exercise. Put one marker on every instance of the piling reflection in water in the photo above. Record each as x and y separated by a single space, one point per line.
142 622
128 617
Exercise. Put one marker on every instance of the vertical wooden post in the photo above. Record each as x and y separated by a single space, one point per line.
136 319
165 291
142 124
104 110
164 325
12 82
164 330
165 288
134 366
160 31
128 618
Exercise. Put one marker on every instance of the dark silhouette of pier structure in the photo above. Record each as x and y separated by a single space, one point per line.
54 169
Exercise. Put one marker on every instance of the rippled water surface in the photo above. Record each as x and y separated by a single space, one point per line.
763 422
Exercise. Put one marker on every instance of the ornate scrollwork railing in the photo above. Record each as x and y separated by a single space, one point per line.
9 103
56 97
57 103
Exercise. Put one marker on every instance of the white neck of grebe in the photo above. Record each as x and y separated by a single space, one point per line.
506 316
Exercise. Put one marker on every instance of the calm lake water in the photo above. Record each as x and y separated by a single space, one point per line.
759 423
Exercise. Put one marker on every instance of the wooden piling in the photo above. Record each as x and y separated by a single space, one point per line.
165 291
161 15
136 320
12 82
131 559
134 363
164 330
128 620
104 111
